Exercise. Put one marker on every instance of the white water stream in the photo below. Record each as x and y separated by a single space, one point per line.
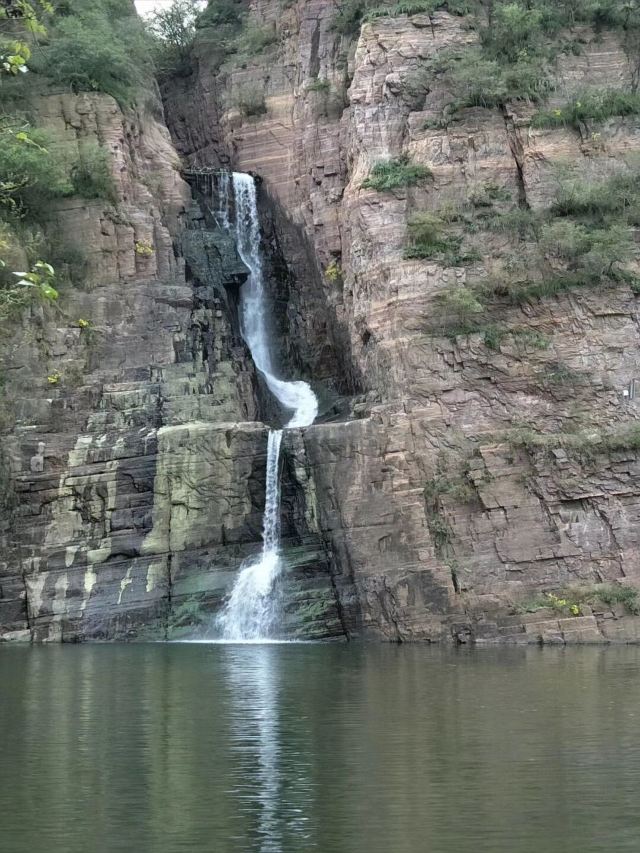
251 609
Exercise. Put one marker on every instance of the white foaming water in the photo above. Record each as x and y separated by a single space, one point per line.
296 397
251 609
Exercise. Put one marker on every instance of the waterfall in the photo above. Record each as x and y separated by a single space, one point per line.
222 214
250 612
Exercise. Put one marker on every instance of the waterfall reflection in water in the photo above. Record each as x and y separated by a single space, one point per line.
254 679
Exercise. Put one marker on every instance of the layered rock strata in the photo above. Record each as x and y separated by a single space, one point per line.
423 505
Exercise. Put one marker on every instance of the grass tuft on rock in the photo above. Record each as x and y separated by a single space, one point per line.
593 105
395 173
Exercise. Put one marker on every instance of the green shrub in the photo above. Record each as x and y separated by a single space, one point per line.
250 101
325 101
519 220
70 261
484 195
585 443
481 81
544 288
254 40
600 201
217 29
592 251
557 373
594 105
612 594
495 335
519 26
395 173
24 287
33 168
352 13
222 13
12 253
564 604
333 272
440 532
349 16
428 239
407 8
91 174
570 601
449 484
619 194
417 7
461 302
532 338
426 229
319 84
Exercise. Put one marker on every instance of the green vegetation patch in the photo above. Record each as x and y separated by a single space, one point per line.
352 13
570 602
520 41
225 33
33 168
172 32
586 443
392 174
36 168
592 105
427 237
584 239
96 46
91 173
250 101
419 7
600 201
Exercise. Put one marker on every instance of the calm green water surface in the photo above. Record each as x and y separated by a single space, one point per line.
335 749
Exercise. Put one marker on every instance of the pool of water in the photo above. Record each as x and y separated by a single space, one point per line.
328 748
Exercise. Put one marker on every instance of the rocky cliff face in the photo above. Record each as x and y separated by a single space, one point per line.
96 405
437 517
424 505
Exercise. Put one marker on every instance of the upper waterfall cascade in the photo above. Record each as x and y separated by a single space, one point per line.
251 609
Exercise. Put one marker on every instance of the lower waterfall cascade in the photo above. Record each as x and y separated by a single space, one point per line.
251 610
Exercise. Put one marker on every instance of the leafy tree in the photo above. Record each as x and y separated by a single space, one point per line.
515 32
221 13
97 46
173 31
27 13
176 26
14 14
